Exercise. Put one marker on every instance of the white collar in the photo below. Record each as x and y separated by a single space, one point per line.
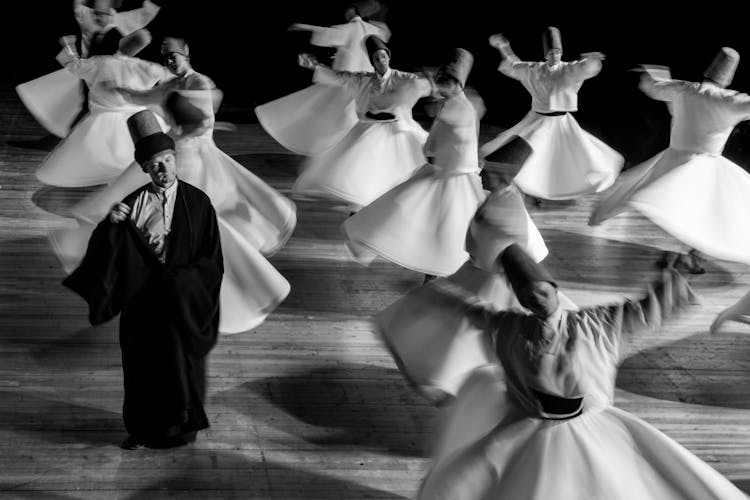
385 76
166 191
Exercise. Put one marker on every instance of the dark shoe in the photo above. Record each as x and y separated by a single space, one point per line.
696 260
132 443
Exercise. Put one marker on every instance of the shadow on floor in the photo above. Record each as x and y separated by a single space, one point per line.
194 473
581 258
58 422
701 369
343 405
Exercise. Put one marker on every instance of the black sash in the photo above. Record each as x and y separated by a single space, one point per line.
552 113
380 116
557 407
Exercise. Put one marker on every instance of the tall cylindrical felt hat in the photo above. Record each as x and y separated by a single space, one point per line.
458 67
174 45
366 8
135 42
500 221
521 269
723 67
147 136
373 43
551 39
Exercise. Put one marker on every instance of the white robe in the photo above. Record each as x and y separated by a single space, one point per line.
689 189
499 442
99 148
55 99
421 224
373 156
311 120
566 161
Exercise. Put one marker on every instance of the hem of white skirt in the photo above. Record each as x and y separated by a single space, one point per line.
286 231
398 261
596 188
90 181
272 133
421 389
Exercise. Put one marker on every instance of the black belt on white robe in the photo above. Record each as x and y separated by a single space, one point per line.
380 117
557 407
552 113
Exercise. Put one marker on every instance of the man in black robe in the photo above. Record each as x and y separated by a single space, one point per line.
156 259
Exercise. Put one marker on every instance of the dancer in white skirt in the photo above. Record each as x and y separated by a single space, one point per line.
690 190
56 99
254 219
312 120
556 433
99 148
384 148
566 162
434 338
421 224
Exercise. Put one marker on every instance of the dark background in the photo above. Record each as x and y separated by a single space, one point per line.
244 46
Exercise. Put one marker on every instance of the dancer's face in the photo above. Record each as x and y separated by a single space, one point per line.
162 168
177 63
447 87
540 297
554 56
381 61
102 13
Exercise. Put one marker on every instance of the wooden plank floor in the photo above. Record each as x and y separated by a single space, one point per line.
310 405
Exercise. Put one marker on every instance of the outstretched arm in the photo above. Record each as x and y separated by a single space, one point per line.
619 323
324 74
588 66
511 65
661 89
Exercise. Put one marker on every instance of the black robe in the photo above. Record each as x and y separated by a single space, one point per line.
169 311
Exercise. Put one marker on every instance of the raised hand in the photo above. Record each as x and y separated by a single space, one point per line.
118 213
593 55
499 41
307 61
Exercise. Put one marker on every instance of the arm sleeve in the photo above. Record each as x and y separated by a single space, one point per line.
132 20
620 322
661 90
348 79
335 36
584 68
514 68
741 104
97 278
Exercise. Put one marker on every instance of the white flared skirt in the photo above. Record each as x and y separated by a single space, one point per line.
566 161
311 120
420 224
700 199
490 453
96 151
371 159
254 219
54 100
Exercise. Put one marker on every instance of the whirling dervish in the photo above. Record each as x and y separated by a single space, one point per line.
313 119
566 162
690 190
